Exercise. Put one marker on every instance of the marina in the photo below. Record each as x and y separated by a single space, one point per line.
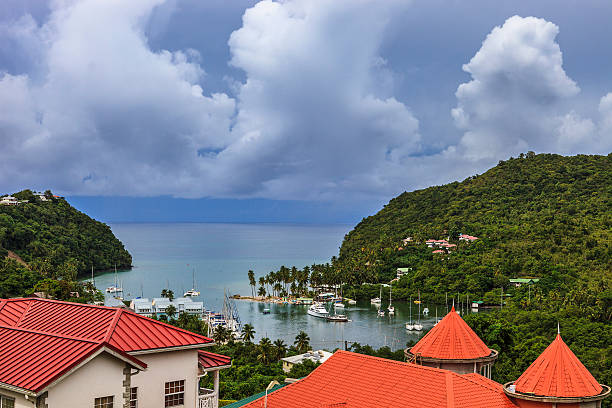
217 267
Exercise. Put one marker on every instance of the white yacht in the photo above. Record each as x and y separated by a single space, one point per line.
418 326
116 287
391 309
377 300
410 326
318 310
192 292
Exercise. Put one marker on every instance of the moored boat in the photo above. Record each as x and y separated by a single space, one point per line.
318 310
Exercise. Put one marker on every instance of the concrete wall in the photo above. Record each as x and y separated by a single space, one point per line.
101 377
162 368
20 401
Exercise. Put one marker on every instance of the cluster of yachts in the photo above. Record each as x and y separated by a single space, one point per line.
318 309
410 326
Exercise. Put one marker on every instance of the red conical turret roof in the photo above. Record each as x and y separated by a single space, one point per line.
451 339
558 373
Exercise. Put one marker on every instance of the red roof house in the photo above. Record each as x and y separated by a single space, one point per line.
48 347
453 345
556 376
353 380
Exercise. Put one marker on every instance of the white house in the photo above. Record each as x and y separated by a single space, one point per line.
157 307
402 271
9 200
319 356
61 354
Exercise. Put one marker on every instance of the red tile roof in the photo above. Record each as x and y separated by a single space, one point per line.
208 360
357 381
557 372
451 339
32 360
121 328
41 340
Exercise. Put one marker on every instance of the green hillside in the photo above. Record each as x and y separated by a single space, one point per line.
56 242
545 216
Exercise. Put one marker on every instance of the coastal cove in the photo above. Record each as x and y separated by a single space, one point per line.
219 256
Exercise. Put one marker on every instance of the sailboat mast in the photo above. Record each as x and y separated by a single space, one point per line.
411 310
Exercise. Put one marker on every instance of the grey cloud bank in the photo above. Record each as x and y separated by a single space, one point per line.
95 110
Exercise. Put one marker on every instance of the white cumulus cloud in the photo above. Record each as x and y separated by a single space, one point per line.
516 100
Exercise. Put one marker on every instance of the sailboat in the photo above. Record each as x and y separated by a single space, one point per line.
338 302
410 326
114 288
380 312
192 292
377 300
391 309
418 326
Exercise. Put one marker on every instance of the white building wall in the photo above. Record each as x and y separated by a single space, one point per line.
162 368
101 377
20 400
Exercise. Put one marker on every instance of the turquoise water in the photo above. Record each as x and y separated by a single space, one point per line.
166 255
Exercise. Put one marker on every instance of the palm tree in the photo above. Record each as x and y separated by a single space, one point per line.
170 311
281 348
252 282
302 342
248 333
265 350
262 283
220 334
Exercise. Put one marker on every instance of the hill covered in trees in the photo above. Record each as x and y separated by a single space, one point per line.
545 216
56 243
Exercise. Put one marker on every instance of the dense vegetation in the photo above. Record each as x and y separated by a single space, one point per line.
56 243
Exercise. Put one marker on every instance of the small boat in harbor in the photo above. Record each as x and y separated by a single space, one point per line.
418 326
337 318
114 288
350 301
377 300
339 305
318 310
410 326
192 292
266 311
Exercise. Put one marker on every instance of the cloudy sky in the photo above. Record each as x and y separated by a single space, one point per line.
298 110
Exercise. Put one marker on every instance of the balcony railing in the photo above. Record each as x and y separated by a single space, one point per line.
207 399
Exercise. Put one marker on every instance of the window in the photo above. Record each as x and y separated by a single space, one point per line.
134 397
104 402
175 393
7 402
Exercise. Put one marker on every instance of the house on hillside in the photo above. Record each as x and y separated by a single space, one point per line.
60 355
9 200
402 271
468 238
523 281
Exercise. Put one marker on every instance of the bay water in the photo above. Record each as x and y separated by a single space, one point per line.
219 257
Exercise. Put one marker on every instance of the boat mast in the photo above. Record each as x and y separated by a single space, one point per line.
410 309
